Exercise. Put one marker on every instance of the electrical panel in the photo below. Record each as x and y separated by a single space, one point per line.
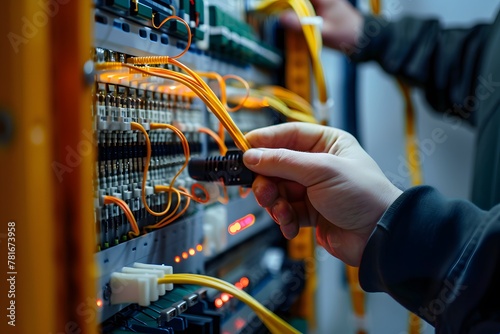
229 236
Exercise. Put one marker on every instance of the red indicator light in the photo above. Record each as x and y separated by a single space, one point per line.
239 323
224 297
218 303
244 281
192 251
241 224
99 302
238 285
177 259
184 255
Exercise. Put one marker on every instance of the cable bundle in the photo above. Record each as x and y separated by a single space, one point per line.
274 323
312 32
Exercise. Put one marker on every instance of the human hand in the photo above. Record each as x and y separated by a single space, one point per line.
312 175
342 23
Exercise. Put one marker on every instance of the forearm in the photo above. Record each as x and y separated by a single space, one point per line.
444 62
438 258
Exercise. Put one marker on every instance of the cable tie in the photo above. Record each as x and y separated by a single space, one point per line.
322 110
312 21
361 323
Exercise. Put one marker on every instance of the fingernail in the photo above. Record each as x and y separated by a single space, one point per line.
289 231
334 240
252 156
284 216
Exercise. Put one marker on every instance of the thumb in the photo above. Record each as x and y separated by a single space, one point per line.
302 167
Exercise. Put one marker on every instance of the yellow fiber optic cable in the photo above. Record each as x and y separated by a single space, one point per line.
312 33
274 323
411 136
220 110
246 86
414 322
177 18
221 80
190 79
260 98
280 106
291 99
357 296
375 6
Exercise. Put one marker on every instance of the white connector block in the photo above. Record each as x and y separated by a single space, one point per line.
131 288
160 290
167 270
139 284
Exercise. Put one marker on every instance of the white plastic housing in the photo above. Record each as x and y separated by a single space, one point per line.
131 288
167 270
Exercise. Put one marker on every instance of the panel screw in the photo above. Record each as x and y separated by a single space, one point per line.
106 292
88 72
6 127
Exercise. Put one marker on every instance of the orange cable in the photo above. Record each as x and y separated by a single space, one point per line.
218 140
126 210
244 192
174 17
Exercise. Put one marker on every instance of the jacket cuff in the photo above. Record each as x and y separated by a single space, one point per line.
420 250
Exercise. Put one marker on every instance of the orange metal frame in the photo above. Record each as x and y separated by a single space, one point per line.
47 162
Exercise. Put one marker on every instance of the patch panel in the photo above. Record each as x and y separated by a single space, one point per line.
214 31
116 33
119 166
236 40
191 309
190 237
158 247
185 308
122 152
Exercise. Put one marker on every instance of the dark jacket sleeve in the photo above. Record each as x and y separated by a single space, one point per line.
444 62
440 259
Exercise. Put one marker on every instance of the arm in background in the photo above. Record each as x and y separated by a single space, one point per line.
444 62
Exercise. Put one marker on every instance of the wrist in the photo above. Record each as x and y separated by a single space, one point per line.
387 199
